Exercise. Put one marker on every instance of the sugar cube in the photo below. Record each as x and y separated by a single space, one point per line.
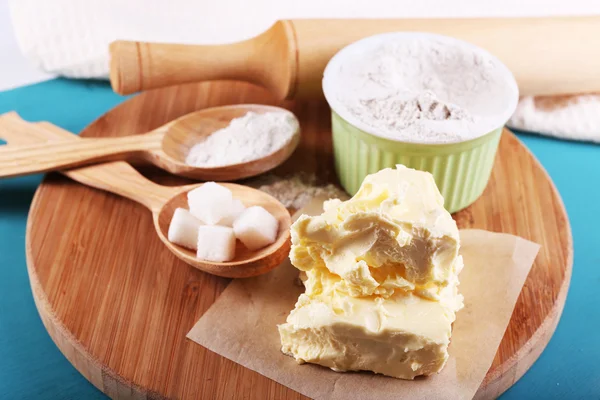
210 202
216 243
256 227
237 208
183 229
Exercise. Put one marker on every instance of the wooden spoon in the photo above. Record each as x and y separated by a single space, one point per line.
122 179
166 147
163 200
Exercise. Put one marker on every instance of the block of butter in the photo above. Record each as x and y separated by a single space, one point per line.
381 276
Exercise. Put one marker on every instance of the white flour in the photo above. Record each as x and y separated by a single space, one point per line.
247 138
420 88
297 190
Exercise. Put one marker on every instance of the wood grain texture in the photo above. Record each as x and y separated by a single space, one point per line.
118 304
45 157
289 58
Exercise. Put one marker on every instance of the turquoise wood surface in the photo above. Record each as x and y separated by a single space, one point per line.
31 367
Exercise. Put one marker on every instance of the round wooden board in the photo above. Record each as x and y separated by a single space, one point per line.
118 304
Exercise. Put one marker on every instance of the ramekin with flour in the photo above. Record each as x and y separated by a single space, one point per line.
427 101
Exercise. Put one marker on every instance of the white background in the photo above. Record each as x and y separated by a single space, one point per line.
15 70
211 22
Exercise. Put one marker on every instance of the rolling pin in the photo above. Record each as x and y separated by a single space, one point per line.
548 56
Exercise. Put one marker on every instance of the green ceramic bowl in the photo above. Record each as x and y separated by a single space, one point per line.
461 169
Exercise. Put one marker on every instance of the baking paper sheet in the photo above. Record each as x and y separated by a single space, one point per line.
242 326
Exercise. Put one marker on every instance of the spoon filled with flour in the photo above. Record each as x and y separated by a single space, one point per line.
214 144
247 138
231 142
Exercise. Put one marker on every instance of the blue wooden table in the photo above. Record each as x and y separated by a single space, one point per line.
31 367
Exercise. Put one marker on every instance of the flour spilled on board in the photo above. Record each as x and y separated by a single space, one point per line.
297 190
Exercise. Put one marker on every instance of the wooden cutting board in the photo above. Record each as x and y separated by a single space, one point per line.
118 304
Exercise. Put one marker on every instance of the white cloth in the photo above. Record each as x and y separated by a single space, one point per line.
575 117
15 69
71 37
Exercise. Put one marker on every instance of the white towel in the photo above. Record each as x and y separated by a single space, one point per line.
71 37
574 117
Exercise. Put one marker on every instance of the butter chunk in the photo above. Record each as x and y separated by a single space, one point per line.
394 234
381 278
402 336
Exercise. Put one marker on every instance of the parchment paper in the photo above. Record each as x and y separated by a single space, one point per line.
242 326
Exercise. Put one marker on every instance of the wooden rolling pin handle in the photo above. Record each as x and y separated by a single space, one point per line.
268 60
548 56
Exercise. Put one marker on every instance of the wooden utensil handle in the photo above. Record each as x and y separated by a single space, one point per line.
43 157
122 179
116 177
267 60
550 55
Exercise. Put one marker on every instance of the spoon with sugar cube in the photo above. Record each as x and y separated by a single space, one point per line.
216 219
229 230
220 144
224 229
